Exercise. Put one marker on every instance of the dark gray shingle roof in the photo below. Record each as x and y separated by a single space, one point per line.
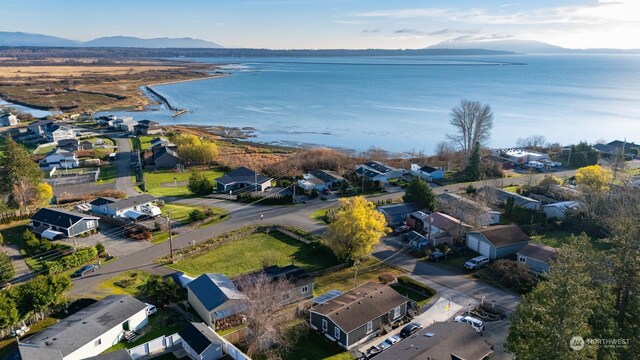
199 336
214 290
59 217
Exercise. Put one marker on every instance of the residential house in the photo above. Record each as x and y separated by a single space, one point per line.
120 208
124 124
88 332
604 150
624 145
147 127
55 133
500 196
215 297
503 163
559 210
497 241
61 159
8 119
297 276
200 342
242 179
426 172
438 223
397 213
377 171
536 257
320 180
441 340
55 223
160 141
71 145
359 314
87 145
522 156
161 157
38 127
467 210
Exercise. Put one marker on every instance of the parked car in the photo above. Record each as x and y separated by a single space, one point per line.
476 263
151 309
383 346
20 332
85 269
371 352
392 340
409 330
436 256
477 324
401 230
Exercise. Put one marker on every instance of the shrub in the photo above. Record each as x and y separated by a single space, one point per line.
100 248
510 275
33 245
160 202
386 278
78 258
197 215
416 285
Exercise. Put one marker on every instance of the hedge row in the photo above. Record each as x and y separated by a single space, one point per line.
76 259
415 285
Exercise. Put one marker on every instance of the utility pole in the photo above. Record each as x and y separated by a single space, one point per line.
75 243
569 158
355 275
170 238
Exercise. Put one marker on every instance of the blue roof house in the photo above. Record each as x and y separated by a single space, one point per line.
215 297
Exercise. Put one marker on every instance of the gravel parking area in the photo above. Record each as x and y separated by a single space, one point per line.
113 241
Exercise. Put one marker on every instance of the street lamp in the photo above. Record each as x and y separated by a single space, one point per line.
482 301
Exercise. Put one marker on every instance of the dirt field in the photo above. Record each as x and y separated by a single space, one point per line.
89 84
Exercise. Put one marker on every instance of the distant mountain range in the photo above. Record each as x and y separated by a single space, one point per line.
25 39
522 46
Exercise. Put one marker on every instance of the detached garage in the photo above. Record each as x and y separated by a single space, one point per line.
497 241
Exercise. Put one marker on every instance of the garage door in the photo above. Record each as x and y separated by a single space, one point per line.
485 249
472 243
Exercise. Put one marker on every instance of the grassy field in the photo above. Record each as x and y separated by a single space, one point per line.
319 215
343 280
44 150
161 183
178 212
127 283
246 254
107 174
420 299
512 188
556 238
313 346
161 323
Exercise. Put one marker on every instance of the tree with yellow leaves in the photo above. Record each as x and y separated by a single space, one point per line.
593 182
357 228
44 193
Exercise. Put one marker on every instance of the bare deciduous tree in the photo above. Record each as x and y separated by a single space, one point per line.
267 327
532 142
617 162
444 150
473 122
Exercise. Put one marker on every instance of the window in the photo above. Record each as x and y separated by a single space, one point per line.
369 327
396 313
522 259
304 289
97 342
324 325
336 333
89 224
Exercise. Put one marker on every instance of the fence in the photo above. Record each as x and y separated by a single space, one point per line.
155 346
330 270
11 216
289 234
237 336
230 349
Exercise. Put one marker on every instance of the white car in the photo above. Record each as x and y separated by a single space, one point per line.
477 324
151 309
476 263
393 339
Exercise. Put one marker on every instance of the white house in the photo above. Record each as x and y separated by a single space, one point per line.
130 207
61 159
559 210
9 119
124 124
426 172
522 156
88 332
319 180
55 133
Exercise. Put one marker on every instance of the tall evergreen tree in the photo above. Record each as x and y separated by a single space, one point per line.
6 269
419 192
473 171
20 175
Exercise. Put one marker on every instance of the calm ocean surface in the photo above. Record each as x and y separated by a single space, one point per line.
403 103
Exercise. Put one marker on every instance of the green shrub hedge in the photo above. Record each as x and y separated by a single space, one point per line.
416 286
78 258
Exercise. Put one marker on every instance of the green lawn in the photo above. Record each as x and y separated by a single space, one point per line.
313 346
44 150
127 283
161 323
161 183
105 141
420 299
247 254
159 237
512 188
107 174
556 238
319 215
178 212
455 263
343 279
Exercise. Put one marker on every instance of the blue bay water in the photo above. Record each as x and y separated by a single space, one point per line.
403 103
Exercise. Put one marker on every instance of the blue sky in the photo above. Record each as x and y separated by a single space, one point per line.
334 23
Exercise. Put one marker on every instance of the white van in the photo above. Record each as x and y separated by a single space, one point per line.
477 324
476 263
151 309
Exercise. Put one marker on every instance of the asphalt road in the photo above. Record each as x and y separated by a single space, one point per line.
123 165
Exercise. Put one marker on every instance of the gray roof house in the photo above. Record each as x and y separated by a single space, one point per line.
501 196
441 340
119 207
497 241
426 172
69 145
377 171
147 127
201 342
397 213
9 119
559 210
55 133
164 157
299 278
467 210
536 257
359 314
59 158
243 179
319 180
215 297
88 332
55 223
